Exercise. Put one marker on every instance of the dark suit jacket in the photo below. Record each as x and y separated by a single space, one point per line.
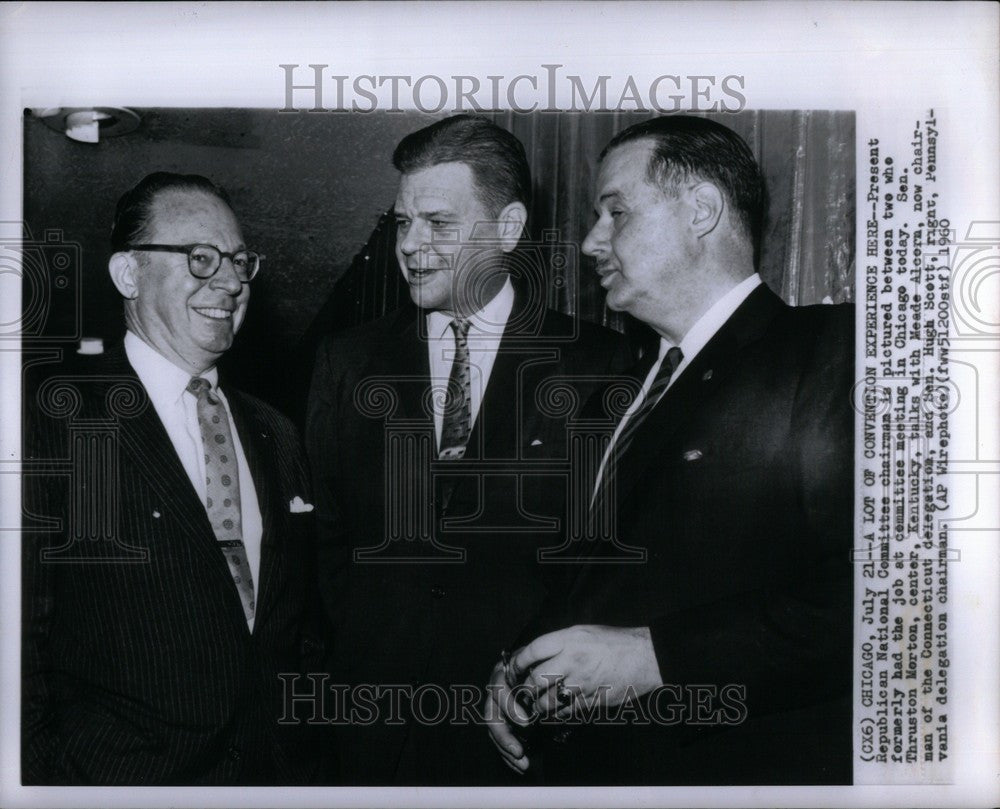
411 613
739 487
138 666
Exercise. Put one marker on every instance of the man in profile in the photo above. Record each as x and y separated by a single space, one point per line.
435 452
726 657
165 583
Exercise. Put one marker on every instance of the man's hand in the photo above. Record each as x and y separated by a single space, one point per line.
603 665
502 713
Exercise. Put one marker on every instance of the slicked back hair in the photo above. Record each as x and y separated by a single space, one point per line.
687 148
495 156
135 208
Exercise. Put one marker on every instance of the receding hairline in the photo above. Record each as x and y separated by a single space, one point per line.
164 202
649 175
650 172
168 198
690 150
167 193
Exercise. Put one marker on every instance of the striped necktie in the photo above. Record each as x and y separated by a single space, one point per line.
656 391
602 494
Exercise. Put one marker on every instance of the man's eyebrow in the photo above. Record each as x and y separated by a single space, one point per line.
240 245
606 198
443 213
427 214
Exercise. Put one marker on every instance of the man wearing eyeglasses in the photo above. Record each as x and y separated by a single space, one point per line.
152 654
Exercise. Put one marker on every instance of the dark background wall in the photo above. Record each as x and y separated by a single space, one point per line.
310 188
307 189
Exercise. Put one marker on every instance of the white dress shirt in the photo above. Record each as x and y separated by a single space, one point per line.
693 342
486 329
166 385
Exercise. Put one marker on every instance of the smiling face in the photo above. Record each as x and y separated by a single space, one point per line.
447 243
190 321
642 240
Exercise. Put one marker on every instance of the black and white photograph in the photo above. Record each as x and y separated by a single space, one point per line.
491 418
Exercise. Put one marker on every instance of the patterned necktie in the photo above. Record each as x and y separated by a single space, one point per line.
656 390
222 488
658 386
457 422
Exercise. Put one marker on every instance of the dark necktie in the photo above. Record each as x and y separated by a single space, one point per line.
222 488
656 390
457 421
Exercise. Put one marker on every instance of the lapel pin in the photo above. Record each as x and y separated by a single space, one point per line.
693 455
156 515
297 506
707 375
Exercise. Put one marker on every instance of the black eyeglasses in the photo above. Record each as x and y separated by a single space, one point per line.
204 260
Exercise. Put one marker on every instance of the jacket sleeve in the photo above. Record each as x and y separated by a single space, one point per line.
43 500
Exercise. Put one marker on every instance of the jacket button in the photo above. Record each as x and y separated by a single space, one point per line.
234 753
437 591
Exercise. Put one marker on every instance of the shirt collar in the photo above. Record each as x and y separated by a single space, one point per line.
710 322
163 381
491 320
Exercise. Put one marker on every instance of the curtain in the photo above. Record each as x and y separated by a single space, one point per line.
807 253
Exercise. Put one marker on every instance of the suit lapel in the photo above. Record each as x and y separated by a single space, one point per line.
709 369
145 447
408 364
495 432
496 423
497 411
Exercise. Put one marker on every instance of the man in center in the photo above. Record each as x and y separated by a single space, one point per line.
439 453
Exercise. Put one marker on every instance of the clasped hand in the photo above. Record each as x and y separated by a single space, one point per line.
595 665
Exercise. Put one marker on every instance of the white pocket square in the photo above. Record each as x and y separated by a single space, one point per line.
536 443
297 506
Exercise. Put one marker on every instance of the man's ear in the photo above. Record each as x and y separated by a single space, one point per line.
123 268
510 225
708 205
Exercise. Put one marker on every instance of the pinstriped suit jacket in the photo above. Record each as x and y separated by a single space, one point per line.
138 666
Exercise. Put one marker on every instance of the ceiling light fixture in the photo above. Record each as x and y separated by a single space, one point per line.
89 124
